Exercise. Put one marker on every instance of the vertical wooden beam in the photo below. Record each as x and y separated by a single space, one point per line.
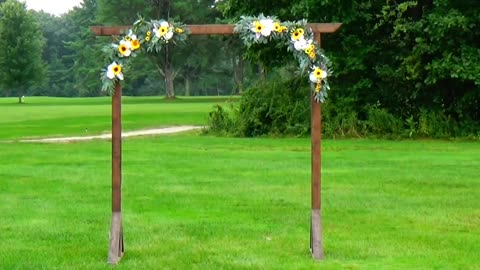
116 249
316 241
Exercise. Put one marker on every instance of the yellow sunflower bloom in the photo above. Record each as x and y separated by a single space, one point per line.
312 54
257 27
124 50
318 87
277 27
114 70
283 28
319 73
117 69
147 38
127 38
149 33
135 44
300 31
179 30
296 35
163 30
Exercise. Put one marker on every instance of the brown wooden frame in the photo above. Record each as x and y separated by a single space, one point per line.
116 248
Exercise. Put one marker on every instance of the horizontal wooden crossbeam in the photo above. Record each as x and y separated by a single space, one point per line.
209 29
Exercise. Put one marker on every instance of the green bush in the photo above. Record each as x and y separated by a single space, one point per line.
381 122
280 108
283 108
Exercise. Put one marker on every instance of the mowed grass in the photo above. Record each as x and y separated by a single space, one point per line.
200 202
45 116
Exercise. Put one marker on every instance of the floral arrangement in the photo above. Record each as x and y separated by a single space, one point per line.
151 36
299 40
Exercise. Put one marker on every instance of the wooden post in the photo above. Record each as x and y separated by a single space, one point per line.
116 250
316 243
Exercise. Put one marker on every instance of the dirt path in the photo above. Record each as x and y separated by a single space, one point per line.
156 131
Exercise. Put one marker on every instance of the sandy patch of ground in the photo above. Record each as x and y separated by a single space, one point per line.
156 131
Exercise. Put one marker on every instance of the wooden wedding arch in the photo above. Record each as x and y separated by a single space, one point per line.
116 246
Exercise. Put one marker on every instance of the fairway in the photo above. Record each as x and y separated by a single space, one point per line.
202 202
42 116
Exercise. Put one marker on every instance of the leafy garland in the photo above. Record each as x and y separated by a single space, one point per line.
150 36
300 41
153 35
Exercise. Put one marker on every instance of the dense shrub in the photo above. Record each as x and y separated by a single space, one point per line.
283 108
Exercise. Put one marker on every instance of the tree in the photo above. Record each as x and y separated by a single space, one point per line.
416 60
171 63
85 54
21 55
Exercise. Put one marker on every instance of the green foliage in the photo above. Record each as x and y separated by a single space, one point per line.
381 122
300 42
267 109
220 121
404 55
21 41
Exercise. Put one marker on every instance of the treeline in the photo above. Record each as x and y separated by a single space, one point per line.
412 60
72 58
402 68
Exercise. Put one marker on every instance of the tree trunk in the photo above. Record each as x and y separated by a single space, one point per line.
263 71
238 73
170 75
21 97
169 78
187 86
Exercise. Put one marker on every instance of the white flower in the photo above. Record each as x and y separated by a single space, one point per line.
169 35
114 70
125 48
164 24
267 27
317 75
131 35
302 44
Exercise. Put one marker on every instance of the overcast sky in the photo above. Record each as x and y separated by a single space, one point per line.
56 7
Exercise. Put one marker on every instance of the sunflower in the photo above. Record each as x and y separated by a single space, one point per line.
147 38
179 30
114 70
135 44
149 33
310 50
296 35
257 27
318 87
125 48
277 27
162 31
318 75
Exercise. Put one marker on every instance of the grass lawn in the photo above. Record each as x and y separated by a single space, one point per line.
201 202
45 116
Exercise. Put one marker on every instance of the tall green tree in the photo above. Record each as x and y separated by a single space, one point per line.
403 57
85 54
21 55
180 65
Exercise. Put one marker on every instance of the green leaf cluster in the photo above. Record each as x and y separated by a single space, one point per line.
299 40
21 66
